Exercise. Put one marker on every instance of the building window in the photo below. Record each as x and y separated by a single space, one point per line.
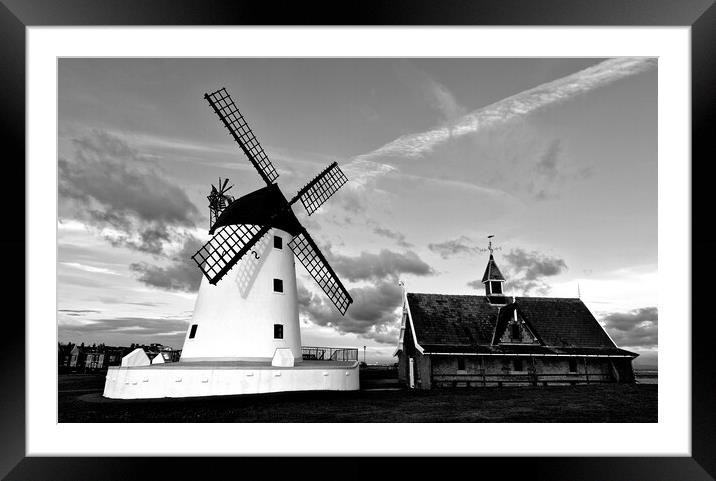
192 332
517 364
278 331
277 285
460 363
515 331
572 365
496 287
277 242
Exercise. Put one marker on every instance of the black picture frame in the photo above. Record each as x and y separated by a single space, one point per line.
16 15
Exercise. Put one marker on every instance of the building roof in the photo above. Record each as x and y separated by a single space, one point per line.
492 272
466 323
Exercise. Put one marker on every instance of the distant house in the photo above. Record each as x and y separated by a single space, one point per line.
77 357
94 360
64 354
113 355
495 340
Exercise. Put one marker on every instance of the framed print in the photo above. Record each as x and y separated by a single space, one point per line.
395 151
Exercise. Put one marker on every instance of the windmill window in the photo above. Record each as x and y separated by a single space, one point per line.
278 285
278 331
572 365
515 331
460 363
277 242
192 332
496 287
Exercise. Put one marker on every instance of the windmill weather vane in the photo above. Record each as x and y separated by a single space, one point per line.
218 200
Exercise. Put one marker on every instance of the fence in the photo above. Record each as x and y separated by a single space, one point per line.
310 353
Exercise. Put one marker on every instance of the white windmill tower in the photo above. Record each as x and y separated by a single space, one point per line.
247 307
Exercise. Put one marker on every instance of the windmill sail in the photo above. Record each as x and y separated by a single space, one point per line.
228 245
310 256
228 112
322 187
236 230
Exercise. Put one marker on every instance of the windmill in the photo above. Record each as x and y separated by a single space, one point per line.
242 296
244 336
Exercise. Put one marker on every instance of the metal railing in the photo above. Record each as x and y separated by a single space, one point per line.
310 353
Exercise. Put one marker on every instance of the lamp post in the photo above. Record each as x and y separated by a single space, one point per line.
363 354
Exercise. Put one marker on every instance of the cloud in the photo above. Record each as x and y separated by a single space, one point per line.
428 90
391 234
181 274
370 266
547 165
374 312
78 312
533 265
454 247
476 284
517 106
525 271
513 154
126 330
360 190
111 187
636 328
86 268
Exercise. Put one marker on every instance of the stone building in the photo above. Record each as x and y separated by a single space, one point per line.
499 340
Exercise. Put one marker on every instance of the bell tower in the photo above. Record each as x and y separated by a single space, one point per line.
492 279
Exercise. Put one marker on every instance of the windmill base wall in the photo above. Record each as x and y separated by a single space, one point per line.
179 380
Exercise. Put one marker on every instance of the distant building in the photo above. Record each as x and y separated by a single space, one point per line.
81 358
168 354
94 360
64 354
77 357
495 340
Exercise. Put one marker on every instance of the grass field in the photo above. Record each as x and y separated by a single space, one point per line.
80 400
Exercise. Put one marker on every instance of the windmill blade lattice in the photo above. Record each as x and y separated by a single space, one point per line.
312 259
228 245
322 187
228 112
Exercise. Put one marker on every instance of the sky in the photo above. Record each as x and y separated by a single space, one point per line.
555 157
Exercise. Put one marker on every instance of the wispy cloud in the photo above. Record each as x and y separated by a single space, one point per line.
460 246
86 268
428 89
519 105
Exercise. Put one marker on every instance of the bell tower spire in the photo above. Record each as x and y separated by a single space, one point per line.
492 279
